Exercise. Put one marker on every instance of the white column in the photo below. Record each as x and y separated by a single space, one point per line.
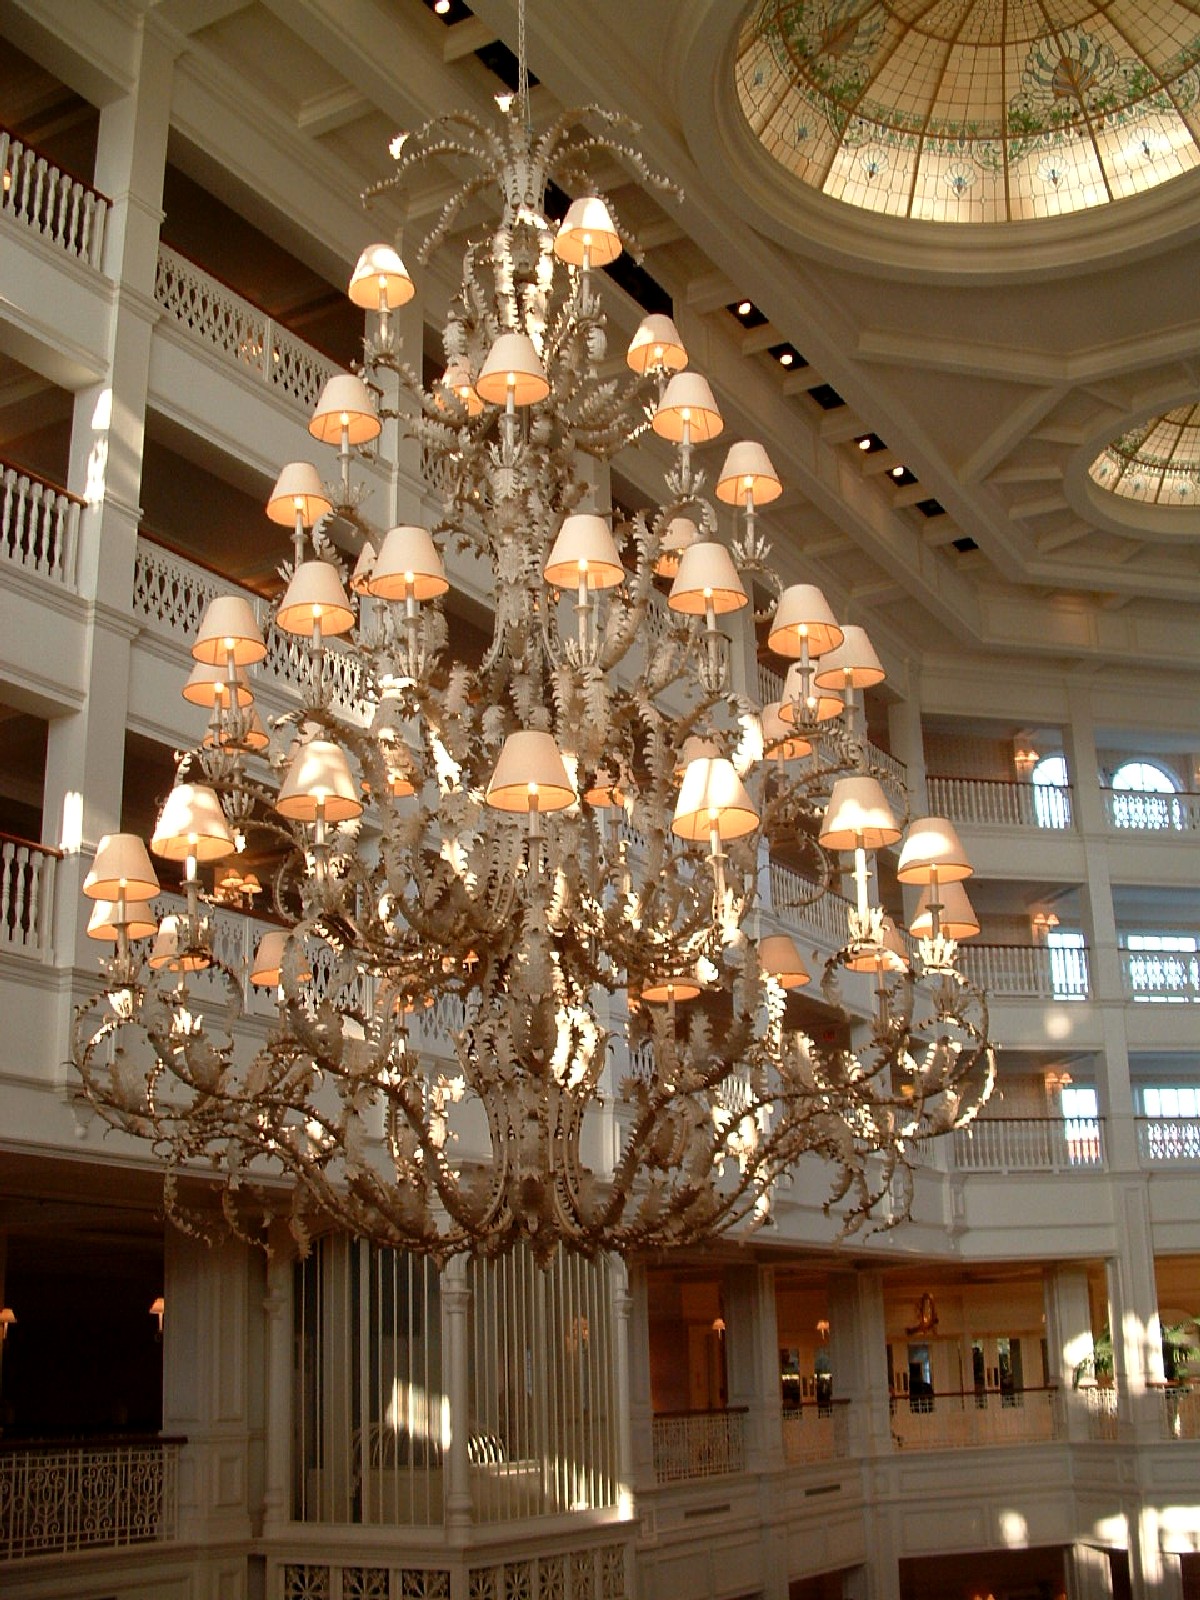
641 1406
622 1301
858 1357
1133 1313
456 1303
278 1305
1089 1573
1068 1340
752 1360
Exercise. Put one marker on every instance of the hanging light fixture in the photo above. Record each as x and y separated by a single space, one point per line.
562 850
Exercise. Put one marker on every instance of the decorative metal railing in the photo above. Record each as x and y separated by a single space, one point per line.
1027 971
239 331
1165 977
1129 810
171 594
959 1421
39 525
1181 1413
59 1498
27 897
792 900
1000 802
62 210
699 1444
1168 1141
1030 1144
1101 1408
816 1432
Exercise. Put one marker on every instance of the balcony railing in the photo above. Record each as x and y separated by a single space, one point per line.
39 525
1168 1141
1030 1144
1001 803
1101 1408
698 1444
1028 971
1132 811
799 902
61 209
1181 1413
961 1421
171 594
59 1498
26 897
816 1432
891 770
1163 977
239 331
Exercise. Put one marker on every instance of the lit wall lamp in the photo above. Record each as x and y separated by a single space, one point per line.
7 1318
823 1329
1025 757
158 1308
718 1327
1056 1081
1042 922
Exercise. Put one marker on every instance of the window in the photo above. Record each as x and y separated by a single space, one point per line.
1143 796
1172 1122
1081 1124
1068 964
1051 804
1163 967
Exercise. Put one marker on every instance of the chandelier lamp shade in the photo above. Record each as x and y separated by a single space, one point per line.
519 925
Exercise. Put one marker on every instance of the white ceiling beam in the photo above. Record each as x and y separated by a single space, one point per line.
465 37
1009 433
326 113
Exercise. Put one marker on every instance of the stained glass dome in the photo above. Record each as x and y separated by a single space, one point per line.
1157 463
974 110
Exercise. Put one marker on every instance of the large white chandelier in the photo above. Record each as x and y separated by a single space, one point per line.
562 848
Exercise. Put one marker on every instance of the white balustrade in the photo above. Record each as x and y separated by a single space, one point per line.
1000 803
57 1499
1130 810
1168 1141
976 1420
27 897
60 209
1165 977
1027 971
239 331
39 525
1181 1413
815 1432
698 1444
171 594
1100 1406
1029 1144
793 902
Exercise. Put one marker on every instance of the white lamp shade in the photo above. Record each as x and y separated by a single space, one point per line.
583 550
956 915
457 379
852 664
251 736
803 613
807 705
932 851
694 747
688 400
105 920
587 228
679 534
168 953
530 775
512 363
779 958
781 742
267 967
209 686
319 782
408 563
122 864
713 796
229 626
748 471
858 816
345 405
191 823
298 492
380 272
315 594
706 572
656 346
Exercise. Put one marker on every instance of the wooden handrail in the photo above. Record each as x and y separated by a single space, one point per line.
31 844
90 1441
57 165
46 483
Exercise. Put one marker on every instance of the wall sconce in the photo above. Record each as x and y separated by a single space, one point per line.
1025 757
1057 1081
1042 922
158 1307
823 1329
718 1327
7 1318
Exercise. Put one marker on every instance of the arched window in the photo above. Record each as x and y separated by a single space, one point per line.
1142 792
1051 805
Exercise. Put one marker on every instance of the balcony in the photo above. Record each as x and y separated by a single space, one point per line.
1001 803
1168 1141
699 1444
59 1498
39 525
1133 811
816 1432
1030 1144
27 897
1028 971
976 1420
63 211
1162 977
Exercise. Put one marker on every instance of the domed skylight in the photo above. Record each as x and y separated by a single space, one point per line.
1158 463
974 110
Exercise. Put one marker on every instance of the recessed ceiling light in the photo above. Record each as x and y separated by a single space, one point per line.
897 472
745 307
786 358
441 7
865 442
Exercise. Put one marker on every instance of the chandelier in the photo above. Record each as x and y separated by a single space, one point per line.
564 848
